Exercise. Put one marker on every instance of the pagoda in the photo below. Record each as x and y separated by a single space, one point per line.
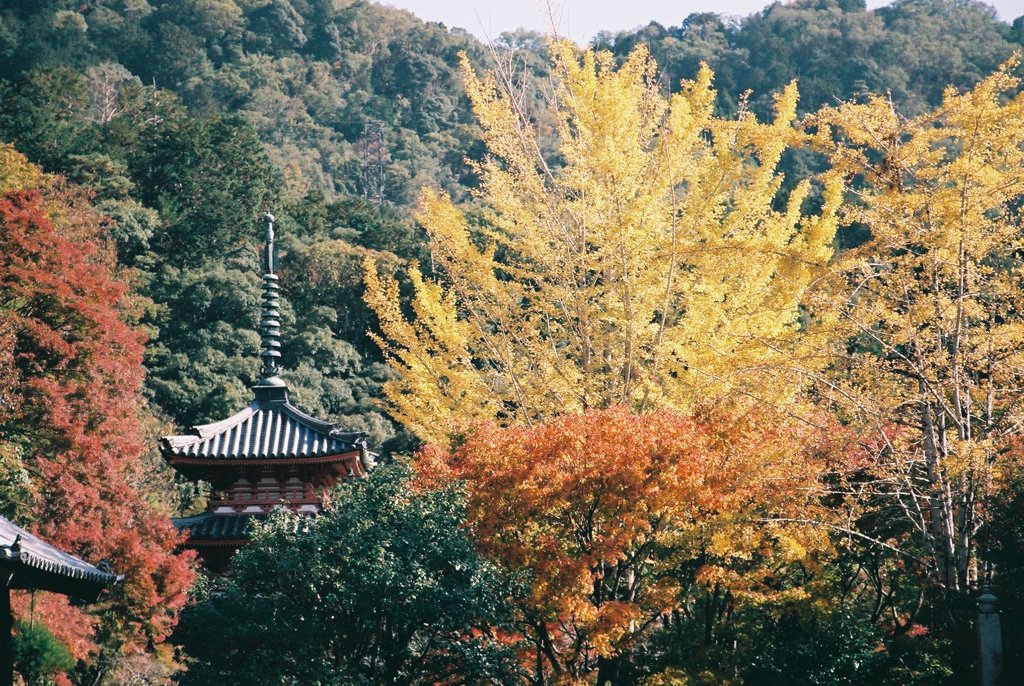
270 454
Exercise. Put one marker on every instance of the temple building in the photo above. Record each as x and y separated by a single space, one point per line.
268 455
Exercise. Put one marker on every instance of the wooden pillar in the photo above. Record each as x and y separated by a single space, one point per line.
6 639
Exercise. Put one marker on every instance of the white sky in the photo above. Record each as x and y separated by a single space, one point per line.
581 19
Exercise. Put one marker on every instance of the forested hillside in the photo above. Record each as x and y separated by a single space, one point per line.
189 119
178 123
909 50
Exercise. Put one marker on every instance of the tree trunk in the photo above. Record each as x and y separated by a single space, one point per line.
941 532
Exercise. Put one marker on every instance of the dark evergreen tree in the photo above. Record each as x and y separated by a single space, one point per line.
385 587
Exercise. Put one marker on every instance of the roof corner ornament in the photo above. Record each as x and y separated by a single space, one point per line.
367 458
270 314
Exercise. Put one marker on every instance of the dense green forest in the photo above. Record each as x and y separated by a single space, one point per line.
183 121
189 119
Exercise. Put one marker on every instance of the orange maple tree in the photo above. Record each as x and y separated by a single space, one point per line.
602 512
71 436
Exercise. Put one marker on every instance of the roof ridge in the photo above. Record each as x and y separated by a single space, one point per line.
321 425
213 428
201 432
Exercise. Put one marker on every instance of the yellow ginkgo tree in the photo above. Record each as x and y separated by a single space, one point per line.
932 306
645 263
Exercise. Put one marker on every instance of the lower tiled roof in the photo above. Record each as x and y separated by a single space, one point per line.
217 527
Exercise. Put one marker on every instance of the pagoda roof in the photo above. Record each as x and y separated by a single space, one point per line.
32 563
264 431
216 528
213 528
270 430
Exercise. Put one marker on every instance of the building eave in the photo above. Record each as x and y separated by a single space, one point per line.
235 462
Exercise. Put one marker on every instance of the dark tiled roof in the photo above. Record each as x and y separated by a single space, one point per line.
37 564
217 527
214 527
264 430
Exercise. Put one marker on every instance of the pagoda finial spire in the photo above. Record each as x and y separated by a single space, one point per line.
270 315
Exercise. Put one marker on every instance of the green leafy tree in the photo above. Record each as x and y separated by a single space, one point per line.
37 115
210 179
38 654
385 587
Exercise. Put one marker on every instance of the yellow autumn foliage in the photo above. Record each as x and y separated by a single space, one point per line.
932 303
16 172
646 267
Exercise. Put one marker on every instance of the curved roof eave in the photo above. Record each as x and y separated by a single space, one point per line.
263 431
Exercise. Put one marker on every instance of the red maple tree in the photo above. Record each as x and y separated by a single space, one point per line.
71 415
602 510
